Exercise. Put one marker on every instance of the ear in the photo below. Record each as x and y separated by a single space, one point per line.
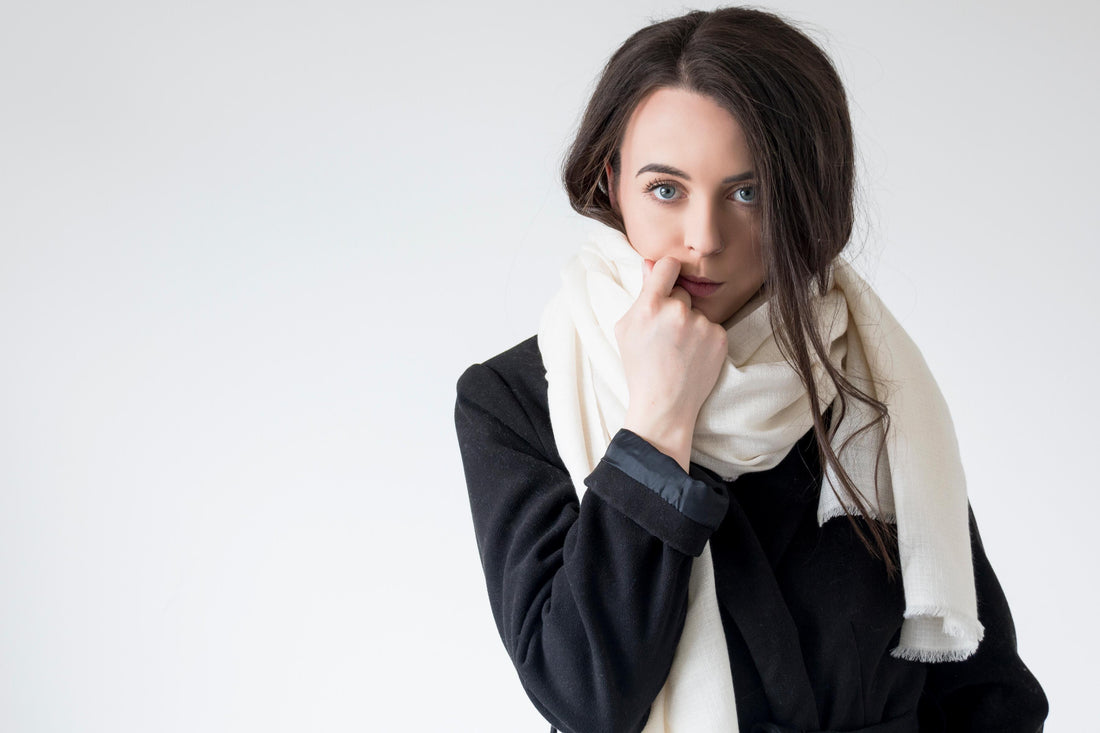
609 176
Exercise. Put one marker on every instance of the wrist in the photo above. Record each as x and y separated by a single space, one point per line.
671 437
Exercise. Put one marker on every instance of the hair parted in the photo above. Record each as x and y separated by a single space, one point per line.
788 99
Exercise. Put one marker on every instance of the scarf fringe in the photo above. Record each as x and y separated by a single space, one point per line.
932 656
955 625
824 515
956 639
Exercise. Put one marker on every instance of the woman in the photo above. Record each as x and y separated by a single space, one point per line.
720 490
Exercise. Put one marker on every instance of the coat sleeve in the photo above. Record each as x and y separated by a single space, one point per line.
589 597
992 690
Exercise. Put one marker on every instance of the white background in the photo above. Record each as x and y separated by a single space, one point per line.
246 249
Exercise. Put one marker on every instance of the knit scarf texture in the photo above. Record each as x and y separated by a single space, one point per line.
756 412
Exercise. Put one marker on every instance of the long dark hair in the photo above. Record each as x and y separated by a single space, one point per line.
788 99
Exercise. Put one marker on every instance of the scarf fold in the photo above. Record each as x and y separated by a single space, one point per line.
754 415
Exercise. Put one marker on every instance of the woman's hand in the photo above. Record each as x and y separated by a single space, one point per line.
672 356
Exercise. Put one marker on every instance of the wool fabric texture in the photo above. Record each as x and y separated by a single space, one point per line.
755 413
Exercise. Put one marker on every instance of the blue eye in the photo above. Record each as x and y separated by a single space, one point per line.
665 191
745 194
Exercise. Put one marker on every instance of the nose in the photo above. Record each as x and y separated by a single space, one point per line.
702 230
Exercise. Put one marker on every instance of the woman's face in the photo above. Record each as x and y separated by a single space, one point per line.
687 189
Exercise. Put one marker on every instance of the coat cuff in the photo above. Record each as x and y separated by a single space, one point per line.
654 490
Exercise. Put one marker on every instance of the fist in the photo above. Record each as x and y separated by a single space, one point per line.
672 354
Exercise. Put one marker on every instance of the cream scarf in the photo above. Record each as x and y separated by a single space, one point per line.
756 412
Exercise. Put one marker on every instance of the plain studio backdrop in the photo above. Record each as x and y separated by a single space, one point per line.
246 250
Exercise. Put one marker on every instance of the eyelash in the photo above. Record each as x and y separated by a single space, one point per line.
658 184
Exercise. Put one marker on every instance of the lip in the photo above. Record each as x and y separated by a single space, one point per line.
698 288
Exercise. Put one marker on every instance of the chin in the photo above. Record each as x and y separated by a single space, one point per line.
712 315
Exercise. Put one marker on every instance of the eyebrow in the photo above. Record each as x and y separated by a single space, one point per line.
669 170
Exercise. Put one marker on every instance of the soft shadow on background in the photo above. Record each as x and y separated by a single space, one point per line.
247 249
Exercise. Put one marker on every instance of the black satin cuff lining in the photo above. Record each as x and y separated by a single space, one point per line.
639 459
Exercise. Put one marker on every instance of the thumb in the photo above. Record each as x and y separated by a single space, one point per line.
647 267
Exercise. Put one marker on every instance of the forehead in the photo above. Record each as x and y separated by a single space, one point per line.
685 129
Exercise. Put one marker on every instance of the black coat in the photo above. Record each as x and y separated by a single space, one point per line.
590 597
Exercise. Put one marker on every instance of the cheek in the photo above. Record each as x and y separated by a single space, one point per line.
747 235
650 246
758 250
652 233
744 226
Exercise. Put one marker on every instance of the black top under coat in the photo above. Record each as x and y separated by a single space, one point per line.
590 597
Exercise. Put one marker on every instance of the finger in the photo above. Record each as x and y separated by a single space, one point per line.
662 277
678 293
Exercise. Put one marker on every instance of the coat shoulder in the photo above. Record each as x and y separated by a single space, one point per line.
521 370
521 364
